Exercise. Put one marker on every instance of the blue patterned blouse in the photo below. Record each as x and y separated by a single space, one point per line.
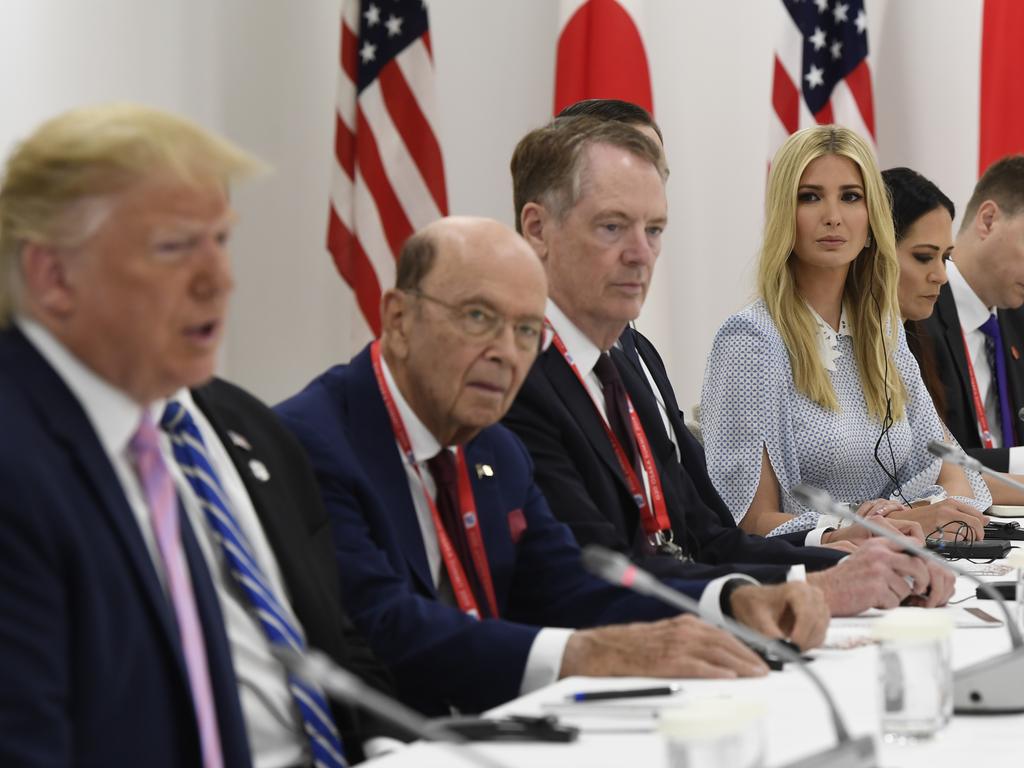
749 400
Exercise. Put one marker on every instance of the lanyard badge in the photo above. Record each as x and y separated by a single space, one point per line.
464 596
653 511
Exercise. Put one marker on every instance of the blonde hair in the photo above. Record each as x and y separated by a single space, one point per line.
870 291
58 183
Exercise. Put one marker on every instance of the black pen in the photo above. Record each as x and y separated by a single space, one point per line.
625 693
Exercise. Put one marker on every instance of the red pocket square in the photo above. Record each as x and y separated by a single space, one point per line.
516 524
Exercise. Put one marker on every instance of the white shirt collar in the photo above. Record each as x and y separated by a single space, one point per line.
583 351
422 441
971 310
828 339
113 414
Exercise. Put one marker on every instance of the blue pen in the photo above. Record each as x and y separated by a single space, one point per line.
625 693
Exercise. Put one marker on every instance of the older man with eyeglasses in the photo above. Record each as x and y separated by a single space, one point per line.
449 559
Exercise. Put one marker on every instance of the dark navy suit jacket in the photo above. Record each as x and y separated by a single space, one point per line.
91 671
440 656
943 333
581 477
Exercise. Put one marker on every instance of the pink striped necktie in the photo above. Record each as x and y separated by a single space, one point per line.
162 500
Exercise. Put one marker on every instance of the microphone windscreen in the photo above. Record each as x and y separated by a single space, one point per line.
605 563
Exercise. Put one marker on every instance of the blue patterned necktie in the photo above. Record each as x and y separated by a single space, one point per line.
190 453
997 362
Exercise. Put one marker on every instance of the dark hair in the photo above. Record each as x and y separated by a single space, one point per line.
912 196
547 163
415 261
1003 184
615 110
922 346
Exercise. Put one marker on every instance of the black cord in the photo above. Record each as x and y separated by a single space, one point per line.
963 534
887 420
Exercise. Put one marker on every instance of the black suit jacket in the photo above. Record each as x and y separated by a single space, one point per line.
293 517
579 474
943 335
91 670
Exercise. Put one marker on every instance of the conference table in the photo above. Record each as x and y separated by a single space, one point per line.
796 723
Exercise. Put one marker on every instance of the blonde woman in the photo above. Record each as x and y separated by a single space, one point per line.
814 382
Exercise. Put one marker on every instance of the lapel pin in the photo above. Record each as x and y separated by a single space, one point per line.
1014 352
259 470
484 470
239 440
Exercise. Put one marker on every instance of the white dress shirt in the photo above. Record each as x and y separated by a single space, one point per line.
545 658
973 314
276 738
585 354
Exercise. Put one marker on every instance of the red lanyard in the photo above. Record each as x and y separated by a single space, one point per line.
979 407
654 515
467 512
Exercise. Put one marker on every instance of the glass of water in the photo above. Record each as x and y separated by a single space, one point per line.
916 672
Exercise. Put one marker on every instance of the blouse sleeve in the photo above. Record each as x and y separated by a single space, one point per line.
745 410
921 469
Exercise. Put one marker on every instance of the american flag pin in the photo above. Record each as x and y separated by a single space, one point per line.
259 470
239 440
484 470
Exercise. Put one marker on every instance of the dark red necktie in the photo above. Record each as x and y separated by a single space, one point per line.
616 407
442 467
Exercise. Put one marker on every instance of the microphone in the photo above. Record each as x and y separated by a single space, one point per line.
617 569
1020 414
990 687
319 669
953 455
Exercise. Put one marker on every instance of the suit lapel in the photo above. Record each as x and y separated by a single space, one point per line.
580 405
371 432
286 538
491 514
953 335
60 414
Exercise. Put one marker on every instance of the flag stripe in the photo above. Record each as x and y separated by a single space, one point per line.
355 268
369 226
402 174
785 98
416 134
349 53
396 224
345 147
859 83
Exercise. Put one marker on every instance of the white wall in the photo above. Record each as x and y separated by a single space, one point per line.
263 73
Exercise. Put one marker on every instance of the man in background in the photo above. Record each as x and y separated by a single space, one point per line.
450 560
597 412
976 333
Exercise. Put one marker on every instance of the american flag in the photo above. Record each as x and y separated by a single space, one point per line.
388 178
821 67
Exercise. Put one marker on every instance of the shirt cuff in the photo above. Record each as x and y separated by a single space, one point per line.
1016 466
545 659
381 745
710 600
813 537
797 572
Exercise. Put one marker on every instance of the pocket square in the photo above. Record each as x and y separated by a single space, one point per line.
516 524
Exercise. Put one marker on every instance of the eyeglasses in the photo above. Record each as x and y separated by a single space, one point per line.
480 322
